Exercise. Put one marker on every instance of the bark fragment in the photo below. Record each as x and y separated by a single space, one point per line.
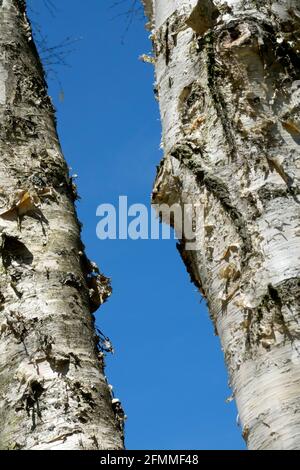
203 16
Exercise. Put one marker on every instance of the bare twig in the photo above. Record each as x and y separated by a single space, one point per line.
134 11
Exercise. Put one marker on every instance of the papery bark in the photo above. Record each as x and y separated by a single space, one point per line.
53 392
228 83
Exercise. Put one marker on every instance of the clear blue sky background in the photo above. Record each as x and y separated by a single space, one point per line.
168 368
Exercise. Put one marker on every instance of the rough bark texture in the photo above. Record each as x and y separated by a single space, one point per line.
228 82
53 394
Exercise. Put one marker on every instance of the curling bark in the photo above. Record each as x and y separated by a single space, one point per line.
53 393
228 83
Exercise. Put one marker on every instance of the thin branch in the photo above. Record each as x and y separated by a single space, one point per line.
134 11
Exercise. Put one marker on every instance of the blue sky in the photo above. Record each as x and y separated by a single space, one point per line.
168 368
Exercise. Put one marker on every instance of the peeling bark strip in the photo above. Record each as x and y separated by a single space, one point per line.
53 392
229 93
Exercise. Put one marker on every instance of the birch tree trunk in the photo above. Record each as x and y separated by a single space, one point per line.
228 82
53 394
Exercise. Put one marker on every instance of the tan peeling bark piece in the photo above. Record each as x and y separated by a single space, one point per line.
202 16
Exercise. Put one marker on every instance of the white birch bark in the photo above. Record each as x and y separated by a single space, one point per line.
228 82
53 392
